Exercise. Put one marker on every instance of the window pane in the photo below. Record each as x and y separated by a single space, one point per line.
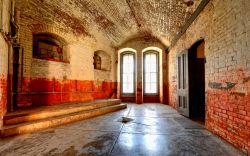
147 77
128 73
131 59
153 88
151 73
131 67
153 77
147 67
125 68
131 87
153 67
125 59
124 78
147 58
130 78
153 58
124 87
147 87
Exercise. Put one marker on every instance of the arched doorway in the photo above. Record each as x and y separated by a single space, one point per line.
197 80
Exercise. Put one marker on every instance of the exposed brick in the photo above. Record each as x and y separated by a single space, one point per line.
89 26
227 108
111 22
5 51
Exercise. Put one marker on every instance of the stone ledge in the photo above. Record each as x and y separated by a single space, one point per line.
42 119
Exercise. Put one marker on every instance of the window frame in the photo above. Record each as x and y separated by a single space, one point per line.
121 73
157 71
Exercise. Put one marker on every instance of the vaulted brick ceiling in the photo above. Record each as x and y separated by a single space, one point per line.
113 20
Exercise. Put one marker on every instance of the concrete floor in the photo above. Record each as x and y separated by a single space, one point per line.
155 130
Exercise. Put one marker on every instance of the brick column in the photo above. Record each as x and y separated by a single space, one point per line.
139 71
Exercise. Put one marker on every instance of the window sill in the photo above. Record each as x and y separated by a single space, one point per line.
128 95
102 70
52 60
151 94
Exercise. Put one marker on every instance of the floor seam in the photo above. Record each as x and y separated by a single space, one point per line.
165 134
119 134
151 117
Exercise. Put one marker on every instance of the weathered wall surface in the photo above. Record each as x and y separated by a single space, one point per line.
44 82
5 49
3 76
225 26
140 45
112 21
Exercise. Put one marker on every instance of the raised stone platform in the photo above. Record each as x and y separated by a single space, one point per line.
30 120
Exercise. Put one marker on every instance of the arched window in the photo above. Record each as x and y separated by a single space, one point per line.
127 73
48 47
151 72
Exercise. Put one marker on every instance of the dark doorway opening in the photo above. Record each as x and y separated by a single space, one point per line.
196 72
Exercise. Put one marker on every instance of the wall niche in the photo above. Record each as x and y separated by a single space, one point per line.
102 61
49 46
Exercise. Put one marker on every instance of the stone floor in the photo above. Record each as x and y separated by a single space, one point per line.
154 130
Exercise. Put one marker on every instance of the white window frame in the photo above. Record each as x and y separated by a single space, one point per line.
121 73
157 72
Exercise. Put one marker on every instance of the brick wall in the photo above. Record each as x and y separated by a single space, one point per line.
44 82
225 26
4 52
3 76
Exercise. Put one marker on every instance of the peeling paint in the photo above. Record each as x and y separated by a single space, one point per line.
226 86
111 21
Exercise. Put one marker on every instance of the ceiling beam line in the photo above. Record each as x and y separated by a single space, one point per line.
133 13
183 29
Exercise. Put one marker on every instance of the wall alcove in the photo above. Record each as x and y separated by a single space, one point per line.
102 60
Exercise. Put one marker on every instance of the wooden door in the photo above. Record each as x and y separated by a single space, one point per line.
182 84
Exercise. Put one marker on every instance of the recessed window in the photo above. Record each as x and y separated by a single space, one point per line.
127 73
48 47
151 73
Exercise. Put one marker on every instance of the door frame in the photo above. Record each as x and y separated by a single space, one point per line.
195 110
183 93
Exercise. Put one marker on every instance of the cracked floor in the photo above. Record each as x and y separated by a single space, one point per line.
154 130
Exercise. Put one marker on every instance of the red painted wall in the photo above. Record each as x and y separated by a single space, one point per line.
43 92
3 95
228 108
